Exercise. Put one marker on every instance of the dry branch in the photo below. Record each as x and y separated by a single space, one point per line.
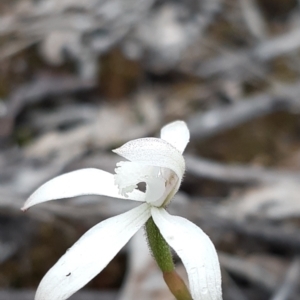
234 173
251 271
205 124
291 281
241 62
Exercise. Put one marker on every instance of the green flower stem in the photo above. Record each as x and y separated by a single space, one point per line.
163 256
159 247
177 286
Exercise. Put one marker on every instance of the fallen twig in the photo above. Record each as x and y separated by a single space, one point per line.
234 173
206 124
249 270
238 61
291 280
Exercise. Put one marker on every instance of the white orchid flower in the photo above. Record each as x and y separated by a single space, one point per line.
159 163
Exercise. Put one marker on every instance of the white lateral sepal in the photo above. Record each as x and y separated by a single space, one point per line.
78 183
196 251
91 254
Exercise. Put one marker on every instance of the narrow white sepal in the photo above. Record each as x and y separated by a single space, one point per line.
77 183
177 134
196 251
91 254
154 152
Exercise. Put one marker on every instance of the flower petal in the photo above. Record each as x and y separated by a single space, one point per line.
91 254
77 183
196 251
154 152
177 134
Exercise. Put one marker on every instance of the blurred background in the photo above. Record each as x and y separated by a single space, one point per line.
79 78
